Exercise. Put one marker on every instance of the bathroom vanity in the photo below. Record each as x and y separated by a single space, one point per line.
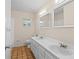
47 48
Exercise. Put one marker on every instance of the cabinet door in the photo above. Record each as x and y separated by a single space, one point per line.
37 53
41 53
35 49
69 14
32 46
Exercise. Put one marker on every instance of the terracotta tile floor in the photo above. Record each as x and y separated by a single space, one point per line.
22 53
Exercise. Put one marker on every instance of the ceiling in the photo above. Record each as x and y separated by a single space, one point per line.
27 5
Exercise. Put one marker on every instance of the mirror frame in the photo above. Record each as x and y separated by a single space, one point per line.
50 22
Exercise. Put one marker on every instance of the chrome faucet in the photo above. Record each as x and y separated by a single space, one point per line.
63 45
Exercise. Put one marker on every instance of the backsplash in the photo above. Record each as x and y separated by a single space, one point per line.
65 35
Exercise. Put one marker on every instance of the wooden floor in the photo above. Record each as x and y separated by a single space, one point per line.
22 53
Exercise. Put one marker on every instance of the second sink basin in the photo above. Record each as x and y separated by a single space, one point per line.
61 50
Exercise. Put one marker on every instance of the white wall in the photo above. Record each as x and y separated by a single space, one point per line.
21 33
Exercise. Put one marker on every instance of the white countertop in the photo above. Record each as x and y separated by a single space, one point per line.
46 42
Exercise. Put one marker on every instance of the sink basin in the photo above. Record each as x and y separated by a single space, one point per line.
61 50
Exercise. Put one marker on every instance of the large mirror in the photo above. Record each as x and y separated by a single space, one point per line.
45 20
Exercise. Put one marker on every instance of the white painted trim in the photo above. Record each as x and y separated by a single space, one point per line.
12 32
50 25
69 26
62 4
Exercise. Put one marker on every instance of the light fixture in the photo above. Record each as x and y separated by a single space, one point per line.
41 22
56 1
42 12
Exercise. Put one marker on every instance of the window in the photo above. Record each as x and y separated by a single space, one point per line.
27 22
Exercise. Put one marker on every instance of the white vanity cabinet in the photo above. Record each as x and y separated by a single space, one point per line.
48 48
40 52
